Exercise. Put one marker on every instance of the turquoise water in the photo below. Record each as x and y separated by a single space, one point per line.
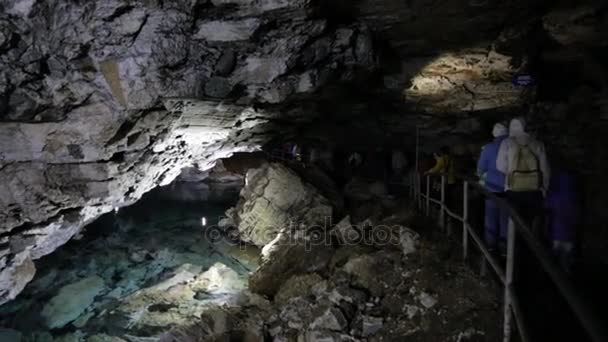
153 266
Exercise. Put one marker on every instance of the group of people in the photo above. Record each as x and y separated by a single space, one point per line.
515 166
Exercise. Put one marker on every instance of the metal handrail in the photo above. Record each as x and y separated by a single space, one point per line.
592 325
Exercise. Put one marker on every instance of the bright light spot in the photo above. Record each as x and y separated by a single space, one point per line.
115 209
204 221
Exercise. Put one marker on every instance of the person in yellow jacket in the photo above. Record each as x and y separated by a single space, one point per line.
443 164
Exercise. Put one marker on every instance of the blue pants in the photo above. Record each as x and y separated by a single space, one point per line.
496 224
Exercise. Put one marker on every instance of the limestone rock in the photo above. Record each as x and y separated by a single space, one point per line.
15 278
465 81
226 63
226 31
220 277
346 233
408 239
275 198
427 300
71 301
371 325
332 320
218 87
290 256
364 269
298 285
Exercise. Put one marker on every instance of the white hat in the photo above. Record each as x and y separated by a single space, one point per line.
499 130
517 127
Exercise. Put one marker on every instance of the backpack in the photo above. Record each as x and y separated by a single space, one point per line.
527 175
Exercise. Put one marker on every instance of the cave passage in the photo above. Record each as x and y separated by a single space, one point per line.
139 270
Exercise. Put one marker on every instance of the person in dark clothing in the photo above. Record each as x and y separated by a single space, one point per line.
563 212
496 220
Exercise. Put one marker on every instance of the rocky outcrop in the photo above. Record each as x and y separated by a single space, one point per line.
90 100
289 219
275 199
466 81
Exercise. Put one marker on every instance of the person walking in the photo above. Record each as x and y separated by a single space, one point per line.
563 209
496 219
523 160
444 165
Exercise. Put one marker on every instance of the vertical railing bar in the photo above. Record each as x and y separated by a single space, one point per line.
442 208
518 314
428 195
465 220
509 281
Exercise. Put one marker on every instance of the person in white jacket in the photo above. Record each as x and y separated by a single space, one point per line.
523 160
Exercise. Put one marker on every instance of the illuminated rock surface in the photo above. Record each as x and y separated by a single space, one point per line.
277 199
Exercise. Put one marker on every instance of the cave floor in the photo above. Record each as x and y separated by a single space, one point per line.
137 272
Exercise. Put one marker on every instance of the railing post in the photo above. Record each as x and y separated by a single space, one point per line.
428 195
418 191
411 183
465 220
442 207
509 281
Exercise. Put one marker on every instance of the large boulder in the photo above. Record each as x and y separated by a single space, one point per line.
298 285
288 255
276 198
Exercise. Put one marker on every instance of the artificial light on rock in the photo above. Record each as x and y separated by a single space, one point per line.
465 80
204 221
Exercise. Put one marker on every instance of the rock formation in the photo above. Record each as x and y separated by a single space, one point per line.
275 200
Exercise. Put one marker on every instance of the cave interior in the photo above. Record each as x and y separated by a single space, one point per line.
188 170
